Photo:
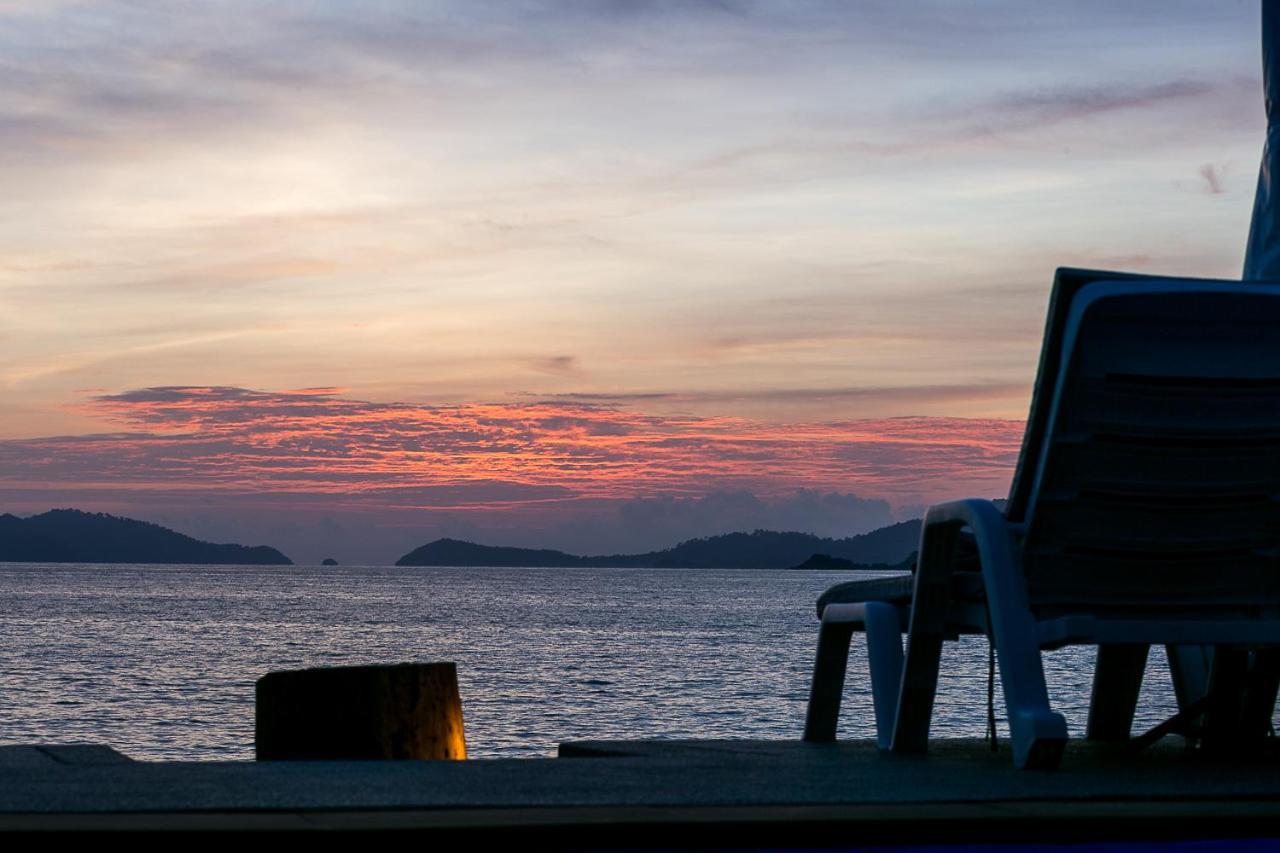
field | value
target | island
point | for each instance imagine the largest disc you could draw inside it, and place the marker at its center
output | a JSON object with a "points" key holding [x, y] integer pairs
{"points": [[73, 536], [328, 561], [889, 547], [828, 563]]}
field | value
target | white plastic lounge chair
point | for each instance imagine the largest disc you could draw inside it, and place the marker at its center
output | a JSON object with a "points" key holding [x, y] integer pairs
{"points": [[1145, 509]]}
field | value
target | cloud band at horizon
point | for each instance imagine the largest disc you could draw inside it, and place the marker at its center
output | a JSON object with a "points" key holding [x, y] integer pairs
{"points": [[540, 471]]}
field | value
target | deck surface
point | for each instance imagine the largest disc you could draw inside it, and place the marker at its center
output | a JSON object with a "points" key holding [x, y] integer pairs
{"points": [[790, 790]]}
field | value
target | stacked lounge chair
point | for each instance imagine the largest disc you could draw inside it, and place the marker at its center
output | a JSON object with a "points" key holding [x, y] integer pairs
{"points": [[1145, 510]]}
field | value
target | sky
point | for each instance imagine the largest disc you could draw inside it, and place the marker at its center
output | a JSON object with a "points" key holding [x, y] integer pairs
{"points": [[601, 276]]}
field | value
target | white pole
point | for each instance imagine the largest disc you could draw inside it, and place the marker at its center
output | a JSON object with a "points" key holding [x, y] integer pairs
{"points": [[1262, 254]]}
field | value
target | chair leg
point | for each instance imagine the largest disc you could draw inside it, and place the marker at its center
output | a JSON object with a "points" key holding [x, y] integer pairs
{"points": [[884, 657], [925, 634], [1189, 668], [1260, 696], [919, 685], [827, 687], [1223, 723], [1230, 691], [1117, 680], [1038, 734], [1244, 687]]}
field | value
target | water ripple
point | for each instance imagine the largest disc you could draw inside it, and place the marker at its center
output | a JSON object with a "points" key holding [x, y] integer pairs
{"points": [[159, 661]]}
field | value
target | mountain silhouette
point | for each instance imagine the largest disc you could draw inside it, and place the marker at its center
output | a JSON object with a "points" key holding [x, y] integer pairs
{"points": [[761, 549], [72, 536], [828, 563]]}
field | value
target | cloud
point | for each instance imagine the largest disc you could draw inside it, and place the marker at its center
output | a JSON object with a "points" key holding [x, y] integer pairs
{"points": [[315, 442], [773, 216], [237, 463], [900, 394], [1066, 103], [674, 519], [1213, 178], [562, 365]]}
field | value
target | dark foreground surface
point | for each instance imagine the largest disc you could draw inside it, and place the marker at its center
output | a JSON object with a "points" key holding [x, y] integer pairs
{"points": [[664, 794]]}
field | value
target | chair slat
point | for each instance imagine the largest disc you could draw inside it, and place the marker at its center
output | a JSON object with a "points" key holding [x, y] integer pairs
{"points": [[1160, 469]]}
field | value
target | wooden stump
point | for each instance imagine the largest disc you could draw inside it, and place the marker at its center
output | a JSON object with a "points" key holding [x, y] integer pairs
{"points": [[358, 713]]}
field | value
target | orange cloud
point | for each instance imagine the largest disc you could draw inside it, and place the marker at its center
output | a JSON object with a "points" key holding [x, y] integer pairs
{"points": [[316, 443]]}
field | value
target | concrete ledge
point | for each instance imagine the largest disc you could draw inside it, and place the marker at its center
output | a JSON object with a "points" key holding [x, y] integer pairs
{"points": [[685, 826], [603, 793], [82, 754]]}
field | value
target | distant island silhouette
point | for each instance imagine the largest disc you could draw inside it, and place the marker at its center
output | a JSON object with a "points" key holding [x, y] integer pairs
{"points": [[73, 536], [887, 548], [828, 563]]}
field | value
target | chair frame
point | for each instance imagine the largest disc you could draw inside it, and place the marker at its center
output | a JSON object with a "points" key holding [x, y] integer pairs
{"points": [[904, 683]]}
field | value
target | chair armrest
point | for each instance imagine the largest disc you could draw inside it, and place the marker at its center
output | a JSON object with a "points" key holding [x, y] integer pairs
{"points": [[1036, 731], [993, 536], [1001, 572]]}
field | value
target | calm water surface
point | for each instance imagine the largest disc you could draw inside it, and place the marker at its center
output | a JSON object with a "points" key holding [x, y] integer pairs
{"points": [[159, 661]]}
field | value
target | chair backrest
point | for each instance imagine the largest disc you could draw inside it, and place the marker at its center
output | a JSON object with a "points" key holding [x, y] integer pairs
{"points": [[1150, 471]]}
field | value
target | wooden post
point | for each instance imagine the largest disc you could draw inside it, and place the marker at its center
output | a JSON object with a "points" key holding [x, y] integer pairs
{"points": [[360, 713]]}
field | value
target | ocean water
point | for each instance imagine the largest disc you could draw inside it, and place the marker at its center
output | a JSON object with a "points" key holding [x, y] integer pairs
{"points": [[159, 662]]}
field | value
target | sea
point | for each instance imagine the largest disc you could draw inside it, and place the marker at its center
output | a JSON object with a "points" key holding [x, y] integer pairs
{"points": [[159, 662]]}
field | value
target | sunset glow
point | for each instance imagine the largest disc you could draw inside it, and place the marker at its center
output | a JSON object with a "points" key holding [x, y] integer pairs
{"points": [[315, 442], [585, 275], [317, 445]]}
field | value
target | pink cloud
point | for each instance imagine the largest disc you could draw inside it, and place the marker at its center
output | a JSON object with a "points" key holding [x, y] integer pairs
{"points": [[317, 444]]}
